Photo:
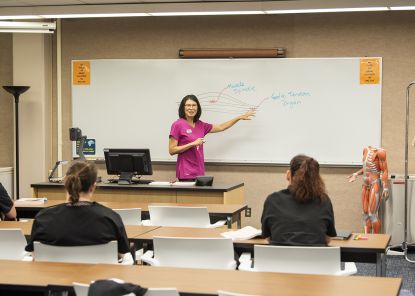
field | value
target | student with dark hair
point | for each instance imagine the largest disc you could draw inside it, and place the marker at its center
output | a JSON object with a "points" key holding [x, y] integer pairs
{"points": [[187, 137], [80, 221], [302, 214], [7, 209]]}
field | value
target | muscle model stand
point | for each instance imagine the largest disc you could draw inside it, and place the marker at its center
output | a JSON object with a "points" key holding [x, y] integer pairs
{"points": [[375, 180]]}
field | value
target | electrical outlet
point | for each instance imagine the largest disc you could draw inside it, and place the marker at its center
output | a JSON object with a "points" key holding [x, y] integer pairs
{"points": [[248, 212]]}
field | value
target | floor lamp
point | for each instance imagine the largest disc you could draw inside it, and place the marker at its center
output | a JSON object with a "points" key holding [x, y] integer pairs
{"points": [[16, 91], [405, 242]]}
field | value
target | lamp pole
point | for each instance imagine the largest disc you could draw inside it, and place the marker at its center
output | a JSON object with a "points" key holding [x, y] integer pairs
{"points": [[16, 91]]}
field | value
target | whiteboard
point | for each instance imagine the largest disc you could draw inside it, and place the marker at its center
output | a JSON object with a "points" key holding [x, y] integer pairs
{"points": [[315, 106]]}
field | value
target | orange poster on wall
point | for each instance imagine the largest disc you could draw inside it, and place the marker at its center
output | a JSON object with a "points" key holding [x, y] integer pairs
{"points": [[81, 73], [369, 71]]}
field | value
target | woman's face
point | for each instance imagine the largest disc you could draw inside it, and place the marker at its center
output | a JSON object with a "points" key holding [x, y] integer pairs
{"points": [[190, 108]]}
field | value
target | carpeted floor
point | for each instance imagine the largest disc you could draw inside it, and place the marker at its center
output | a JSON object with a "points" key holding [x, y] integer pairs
{"points": [[396, 266]]}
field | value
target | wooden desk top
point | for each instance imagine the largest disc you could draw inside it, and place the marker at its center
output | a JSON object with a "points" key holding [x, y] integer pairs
{"points": [[377, 242], [26, 227], [212, 208], [132, 230], [216, 187], [137, 230], [183, 232], [197, 280]]}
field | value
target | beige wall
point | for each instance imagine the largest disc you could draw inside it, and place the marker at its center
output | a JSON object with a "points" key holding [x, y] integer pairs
{"points": [[385, 34], [6, 102], [32, 65]]}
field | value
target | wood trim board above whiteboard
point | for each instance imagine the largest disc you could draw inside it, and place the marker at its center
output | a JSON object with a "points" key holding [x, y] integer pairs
{"points": [[328, 108]]}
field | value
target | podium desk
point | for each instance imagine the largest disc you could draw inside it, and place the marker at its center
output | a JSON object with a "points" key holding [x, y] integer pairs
{"points": [[47, 276], [216, 194]]}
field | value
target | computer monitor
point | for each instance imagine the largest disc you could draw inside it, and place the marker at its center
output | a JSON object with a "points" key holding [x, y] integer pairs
{"points": [[128, 162]]}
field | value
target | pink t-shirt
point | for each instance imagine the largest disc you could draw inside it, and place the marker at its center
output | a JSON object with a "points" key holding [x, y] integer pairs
{"points": [[190, 163]]}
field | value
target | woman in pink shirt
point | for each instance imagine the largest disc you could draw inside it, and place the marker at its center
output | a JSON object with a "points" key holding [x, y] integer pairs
{"points": [[187, 137]]}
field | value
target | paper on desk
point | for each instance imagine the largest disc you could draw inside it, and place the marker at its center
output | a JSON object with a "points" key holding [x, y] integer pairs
{"points": [[245, 233], [178, 183], [160, 183], [31, 200]]}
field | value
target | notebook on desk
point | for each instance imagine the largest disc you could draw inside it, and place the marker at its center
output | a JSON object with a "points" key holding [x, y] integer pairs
{"points": [[342, 234]]}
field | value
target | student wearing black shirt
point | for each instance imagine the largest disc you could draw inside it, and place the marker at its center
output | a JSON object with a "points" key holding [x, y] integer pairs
{"points": [[79, 221], [302, 214], [7, 209]]}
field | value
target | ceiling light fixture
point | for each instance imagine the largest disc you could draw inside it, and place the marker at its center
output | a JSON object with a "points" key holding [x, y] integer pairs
{"points": [[402, 8], [27, 27], [91, 15], [322, 10], [190, 13]]}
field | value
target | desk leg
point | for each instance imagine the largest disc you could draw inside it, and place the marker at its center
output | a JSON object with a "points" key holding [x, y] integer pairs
{"points": [[380, 265], [229, 221]]}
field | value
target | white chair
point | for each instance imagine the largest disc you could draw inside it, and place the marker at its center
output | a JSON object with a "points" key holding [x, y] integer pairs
{"points": [[162, 292], [178, 216], [103, 253], [12, 244], [130, 216], [216, 253], [306, 260], [82, 290]]}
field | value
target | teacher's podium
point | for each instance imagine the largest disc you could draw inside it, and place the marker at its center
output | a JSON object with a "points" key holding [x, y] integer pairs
{"points": [[216, 194]]}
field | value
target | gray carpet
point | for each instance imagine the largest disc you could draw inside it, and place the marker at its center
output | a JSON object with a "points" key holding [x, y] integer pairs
{"points": [[396, 266]]}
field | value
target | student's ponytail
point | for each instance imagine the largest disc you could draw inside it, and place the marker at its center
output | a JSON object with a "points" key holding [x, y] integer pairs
{"points": [[306, 182], [79, 178]]}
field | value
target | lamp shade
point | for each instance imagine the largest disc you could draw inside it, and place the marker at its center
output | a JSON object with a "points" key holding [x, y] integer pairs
{"points": [[15, 90]]}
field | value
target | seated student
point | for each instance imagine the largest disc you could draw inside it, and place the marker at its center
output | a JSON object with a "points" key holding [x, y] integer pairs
{"points": [[302, 214], [7, 209], [80, 221]]}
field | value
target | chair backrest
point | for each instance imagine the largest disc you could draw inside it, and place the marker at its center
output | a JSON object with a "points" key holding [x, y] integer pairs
{"points": [[194, 252], [130, 216], [104, 253], [162, 292], [309, 260], [177, 216], [12, 244], [82, 290]]}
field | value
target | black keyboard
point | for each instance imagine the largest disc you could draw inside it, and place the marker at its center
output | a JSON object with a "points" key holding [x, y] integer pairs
{"points": [[133, 181], [141, 181]]}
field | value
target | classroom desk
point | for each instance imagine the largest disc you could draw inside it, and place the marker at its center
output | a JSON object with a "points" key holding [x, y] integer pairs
{"points": [[37, 276], [26, 227], [216, 194], [372, 250], [232, 213]]}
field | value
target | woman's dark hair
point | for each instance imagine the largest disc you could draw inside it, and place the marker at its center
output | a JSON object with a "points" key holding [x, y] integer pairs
{"points": [[306, 182], [183, 102], [79, 178]]}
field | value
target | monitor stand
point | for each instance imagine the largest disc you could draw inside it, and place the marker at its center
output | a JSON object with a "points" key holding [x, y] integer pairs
{"points": [[125, 178]]}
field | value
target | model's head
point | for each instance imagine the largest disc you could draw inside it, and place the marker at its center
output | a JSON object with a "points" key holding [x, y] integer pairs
{"points": [[190, 108], [80, 178], [306, 183]]}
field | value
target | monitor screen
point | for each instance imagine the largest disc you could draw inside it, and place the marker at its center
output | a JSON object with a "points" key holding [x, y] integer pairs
{"points": [[127, 162]]}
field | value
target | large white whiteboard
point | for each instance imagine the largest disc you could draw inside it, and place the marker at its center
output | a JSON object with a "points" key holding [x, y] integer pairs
{"points": [[315, 106]]}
